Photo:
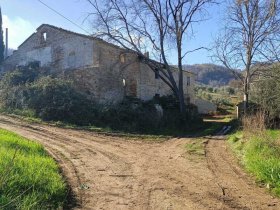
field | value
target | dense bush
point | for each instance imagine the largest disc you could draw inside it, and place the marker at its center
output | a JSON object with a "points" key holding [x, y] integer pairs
{"points": [[135, 115], [129, 115], [56, 99], [50, 99], [266, 93], [22, 75]]}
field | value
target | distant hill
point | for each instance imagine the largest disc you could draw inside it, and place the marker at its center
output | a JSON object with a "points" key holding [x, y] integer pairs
{"points": [[211, 74]]}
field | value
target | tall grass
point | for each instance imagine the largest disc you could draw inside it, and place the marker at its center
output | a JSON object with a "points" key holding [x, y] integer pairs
{"points": [[254, 123], [259, 150], [262, 158], [29, 178]]}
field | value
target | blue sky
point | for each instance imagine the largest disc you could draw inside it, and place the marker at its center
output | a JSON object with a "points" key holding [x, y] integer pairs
{"points": [[22, 17]]}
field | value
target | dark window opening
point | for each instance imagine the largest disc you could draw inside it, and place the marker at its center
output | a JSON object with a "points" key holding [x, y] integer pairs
{"points": [[188, 81], [156, 74], [34, 64], [157, 95]]}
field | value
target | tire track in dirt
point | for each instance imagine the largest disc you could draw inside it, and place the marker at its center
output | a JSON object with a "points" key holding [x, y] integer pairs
{"points": [[107, 172], [239, 190]]}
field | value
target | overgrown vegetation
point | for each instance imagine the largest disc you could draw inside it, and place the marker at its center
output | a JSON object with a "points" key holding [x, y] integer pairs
{"points": [[266, 93], [29, 178], [225, 97], [259, 151], [28, 92]]}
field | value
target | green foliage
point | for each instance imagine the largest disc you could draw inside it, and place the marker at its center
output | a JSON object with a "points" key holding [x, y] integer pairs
{"points": [[48, 98], [29, 178], [224, 97], [266, 93], [56, 99], [230, 90], [129, 115], [20, 76], [261, 156], [134, 115]]}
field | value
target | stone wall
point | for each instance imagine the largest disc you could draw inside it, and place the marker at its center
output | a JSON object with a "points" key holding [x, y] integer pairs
{"points": [[150, 86], [54, 48], [104, 71]]}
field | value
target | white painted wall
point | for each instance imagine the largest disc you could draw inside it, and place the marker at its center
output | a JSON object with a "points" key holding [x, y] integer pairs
{"points": [[205, 107], [42, 54]]}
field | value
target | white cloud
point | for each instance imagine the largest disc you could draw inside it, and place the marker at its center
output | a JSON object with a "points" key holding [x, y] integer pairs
{"points": [[19, 30]]}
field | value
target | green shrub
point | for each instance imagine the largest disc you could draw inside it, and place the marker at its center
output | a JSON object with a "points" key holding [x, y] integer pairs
{"points": [[134, 115], [50, 99], [129, 115], [266, 93], [57, 100], [22, 75]]}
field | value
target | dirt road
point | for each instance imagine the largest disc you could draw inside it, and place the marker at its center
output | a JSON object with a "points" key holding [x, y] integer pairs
{"points": [[113, 173]]}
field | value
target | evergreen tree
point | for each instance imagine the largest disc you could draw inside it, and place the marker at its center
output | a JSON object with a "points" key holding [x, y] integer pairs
{"points": [[2, 47]]}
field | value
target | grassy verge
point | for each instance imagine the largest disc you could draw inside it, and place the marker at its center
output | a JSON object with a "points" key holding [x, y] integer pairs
{"points": [[260, 155], [29, 178]]}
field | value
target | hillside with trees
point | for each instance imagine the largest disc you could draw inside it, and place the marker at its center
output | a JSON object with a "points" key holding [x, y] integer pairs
{"points": [[211, 74]]}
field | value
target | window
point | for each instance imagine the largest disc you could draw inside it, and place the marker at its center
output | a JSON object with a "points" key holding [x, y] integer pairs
{"points": [[71, 60], [157, 95], [122, 58], [44, 37], [188, 81], [156, 74], [34, 64]]}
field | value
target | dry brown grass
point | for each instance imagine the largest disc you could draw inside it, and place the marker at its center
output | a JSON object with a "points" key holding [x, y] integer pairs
{"points": [[254, 124]]}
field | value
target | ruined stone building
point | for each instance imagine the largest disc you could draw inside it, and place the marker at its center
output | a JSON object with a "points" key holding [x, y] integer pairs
{"points": [[97, 67]]}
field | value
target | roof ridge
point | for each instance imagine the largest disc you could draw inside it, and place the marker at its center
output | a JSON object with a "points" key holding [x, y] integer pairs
{"points": [[85, 36], [65, 30]]}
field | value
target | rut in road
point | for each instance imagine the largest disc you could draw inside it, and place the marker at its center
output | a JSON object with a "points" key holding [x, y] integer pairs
{"points": [[107, 172]]}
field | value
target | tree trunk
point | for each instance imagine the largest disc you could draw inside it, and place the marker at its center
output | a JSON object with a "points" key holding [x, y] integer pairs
{"points": [[246, 95], [182, 102], [246, 103], [180, 75]]}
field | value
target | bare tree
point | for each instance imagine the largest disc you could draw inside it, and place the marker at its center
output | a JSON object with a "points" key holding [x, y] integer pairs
{"points": [[158, 26], [250, 27]]}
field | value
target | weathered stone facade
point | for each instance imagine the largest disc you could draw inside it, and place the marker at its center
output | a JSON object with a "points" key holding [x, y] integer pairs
{"points": [[102, 70], [205, 107]]}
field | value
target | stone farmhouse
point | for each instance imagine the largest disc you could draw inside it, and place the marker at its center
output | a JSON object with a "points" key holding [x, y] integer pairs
{"points": [[100, 69]]}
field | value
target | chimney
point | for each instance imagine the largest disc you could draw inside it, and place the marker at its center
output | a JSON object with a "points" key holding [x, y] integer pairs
{"points": [[6, 50], [146, 54]]}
